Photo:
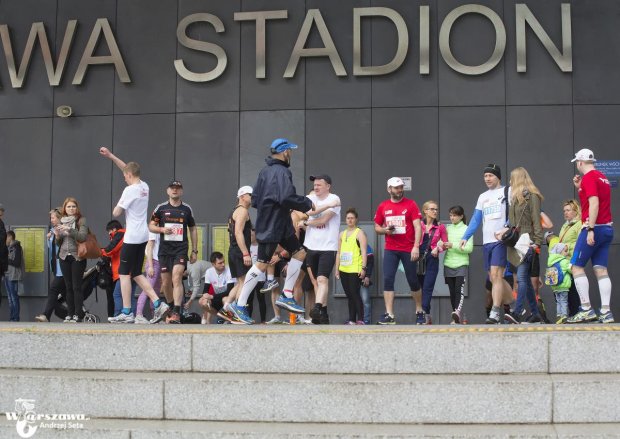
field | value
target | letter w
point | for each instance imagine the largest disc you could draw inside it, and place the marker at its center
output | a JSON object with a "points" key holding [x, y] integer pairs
{"points": [[37, 30], [11, 416]]}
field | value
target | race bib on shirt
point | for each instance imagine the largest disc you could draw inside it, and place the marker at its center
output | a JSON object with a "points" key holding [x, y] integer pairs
{"points": [[398, 221], [177, 232], [346, 259], [492, 209]]}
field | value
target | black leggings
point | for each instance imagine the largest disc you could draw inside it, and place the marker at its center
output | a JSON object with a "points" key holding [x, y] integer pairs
{"points": [[262, 304], [351, 283], [457, 291], [72, 272], [57, 286]]}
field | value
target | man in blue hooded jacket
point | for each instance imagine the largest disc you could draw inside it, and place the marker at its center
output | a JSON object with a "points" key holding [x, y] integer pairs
{"points": [[274, 197]]}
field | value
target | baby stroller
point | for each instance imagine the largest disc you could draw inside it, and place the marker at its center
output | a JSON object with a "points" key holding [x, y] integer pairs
{"points": [[89, 284]]}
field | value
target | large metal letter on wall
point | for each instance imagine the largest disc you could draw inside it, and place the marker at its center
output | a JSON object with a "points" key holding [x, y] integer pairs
{"points": [[500, 39], [201, 46]]}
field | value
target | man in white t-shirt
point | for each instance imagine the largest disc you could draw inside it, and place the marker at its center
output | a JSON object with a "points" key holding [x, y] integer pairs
{"points": [[491, 212], [218, 285], [322, 229], [134, 203]]}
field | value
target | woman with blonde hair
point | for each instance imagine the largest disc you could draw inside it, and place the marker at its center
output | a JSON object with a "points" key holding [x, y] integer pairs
{"points": [[525, 200], [72, 230]]}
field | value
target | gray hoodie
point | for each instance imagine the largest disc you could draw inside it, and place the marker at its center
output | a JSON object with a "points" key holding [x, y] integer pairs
{"points": [[16, 262]]}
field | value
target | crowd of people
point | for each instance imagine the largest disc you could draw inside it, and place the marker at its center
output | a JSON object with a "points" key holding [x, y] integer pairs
{"points": [[297, 239]]}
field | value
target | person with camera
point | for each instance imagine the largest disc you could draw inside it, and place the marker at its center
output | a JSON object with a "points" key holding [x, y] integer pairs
{"points": [[72, 230], [490, 211], [524, 213], [399, 220]]}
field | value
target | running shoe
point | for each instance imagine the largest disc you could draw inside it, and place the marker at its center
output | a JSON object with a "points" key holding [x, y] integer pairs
{"points": [[429, 320], [349, 322], [41, 318], [386, 319], [225, 314], [302, 321], [512, 318], [420, 318], [173, 318], [69, 318], [583, 316], [123, 318], [160, 312], [493, 318], [276, 321], [456, 317], [289, 304], [241, 313], [534, 318], [607, 317], [315, 314], [561, 319], [141, 320], [360, 322], [269, 286]]}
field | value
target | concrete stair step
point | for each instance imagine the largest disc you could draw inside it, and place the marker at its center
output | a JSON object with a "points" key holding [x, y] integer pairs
{"points": [[314, 349], [401, 399], [142, 429]]}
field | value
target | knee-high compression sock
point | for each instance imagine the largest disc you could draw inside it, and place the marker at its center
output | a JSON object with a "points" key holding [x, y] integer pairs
{"points": [[292, 273], [583, 288], [251, 280], [604, 286]]}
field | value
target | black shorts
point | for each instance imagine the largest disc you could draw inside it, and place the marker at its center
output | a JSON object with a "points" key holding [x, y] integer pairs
{"points": [[167, 262], [267, 249], [218, 300], [509, 279], [321, 262], [132, 258], [236, 265], [535, 265], [277, 272]]}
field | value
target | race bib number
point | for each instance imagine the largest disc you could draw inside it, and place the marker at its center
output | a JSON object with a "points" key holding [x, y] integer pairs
{"points": [[346, 259], [177, 232], [398, 221], [492, 209]]}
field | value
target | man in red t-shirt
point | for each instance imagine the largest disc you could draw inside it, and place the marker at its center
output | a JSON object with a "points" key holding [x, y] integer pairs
{"points": [[595, 238], [399, 220]]}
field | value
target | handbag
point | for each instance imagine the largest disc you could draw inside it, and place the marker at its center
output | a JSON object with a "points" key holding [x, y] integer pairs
{"points": [[510, 237], [90, 248], [421, 268]]}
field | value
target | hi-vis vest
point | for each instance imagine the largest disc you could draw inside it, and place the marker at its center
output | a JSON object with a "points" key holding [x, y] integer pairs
{"points": [[350, 253]]}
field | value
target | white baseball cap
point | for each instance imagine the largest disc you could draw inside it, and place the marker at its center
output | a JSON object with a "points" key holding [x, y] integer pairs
{"points": [[585, 155], [244, 190], [395, 181]]}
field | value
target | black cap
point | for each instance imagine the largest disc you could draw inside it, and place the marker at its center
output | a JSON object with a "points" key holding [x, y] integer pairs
{"points": [[176, 183], [325, 177], [493, 169]]}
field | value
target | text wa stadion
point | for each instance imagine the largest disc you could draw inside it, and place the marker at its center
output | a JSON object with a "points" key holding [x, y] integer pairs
{"points": [[524, 17]]}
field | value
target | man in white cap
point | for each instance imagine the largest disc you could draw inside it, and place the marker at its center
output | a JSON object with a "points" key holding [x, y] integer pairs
{"points": [[595, 238], [399, 220], [240, 236]]}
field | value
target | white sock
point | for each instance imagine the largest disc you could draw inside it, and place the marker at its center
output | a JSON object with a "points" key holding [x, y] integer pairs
{"points": [[604, 286], [292, 273], [583, 288], [270, 277], [251, 280]]}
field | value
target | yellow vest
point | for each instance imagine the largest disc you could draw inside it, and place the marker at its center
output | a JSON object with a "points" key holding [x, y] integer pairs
{"points": [[350, 253]]}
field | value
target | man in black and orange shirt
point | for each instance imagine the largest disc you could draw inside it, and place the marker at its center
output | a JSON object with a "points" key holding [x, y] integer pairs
{"points": [[172, 220]]}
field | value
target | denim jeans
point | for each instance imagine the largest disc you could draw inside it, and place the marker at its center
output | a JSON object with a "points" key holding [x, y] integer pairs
{"points": [[428, 281], [118, 298], [526, 289], [11, 292], [561, 297], [367, 301]]}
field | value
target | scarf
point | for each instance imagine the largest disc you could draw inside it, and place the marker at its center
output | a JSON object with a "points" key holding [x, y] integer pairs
{"points": [[68, 221]]}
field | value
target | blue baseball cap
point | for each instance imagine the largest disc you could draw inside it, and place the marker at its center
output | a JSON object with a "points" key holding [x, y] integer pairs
{"points": [[281, 145]]}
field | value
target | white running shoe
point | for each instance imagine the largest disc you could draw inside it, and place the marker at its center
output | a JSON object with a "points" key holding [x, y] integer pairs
{"points": [[123, 318], [141, 320], [160, 313]]}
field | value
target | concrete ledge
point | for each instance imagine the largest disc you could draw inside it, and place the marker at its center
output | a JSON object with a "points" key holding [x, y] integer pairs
{"points": [[584, 352], [139, 429], [586, 398], [363, 398], [95, 394], [93, 350], [384, 353]]}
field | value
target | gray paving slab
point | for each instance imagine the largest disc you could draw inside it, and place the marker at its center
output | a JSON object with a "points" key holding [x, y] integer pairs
{"points": [[584, 352], [586, 398]]}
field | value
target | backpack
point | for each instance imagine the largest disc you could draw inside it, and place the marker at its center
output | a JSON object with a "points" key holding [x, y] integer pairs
{"points": [[554, 275]]}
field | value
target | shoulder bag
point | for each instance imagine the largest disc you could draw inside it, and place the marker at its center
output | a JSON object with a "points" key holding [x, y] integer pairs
{"points": [[421, 269], [89, 249], [511, 236]]}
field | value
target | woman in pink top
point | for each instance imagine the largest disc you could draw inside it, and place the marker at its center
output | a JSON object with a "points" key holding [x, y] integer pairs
{"points": [[433, 238]]}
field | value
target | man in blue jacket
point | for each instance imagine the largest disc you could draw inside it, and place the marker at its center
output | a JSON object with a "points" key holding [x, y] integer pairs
{"points": [[273, 198]]}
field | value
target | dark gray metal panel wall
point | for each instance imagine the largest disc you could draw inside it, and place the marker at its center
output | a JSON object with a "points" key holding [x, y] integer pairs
{"points": [[95, 96], [440, 129]]}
